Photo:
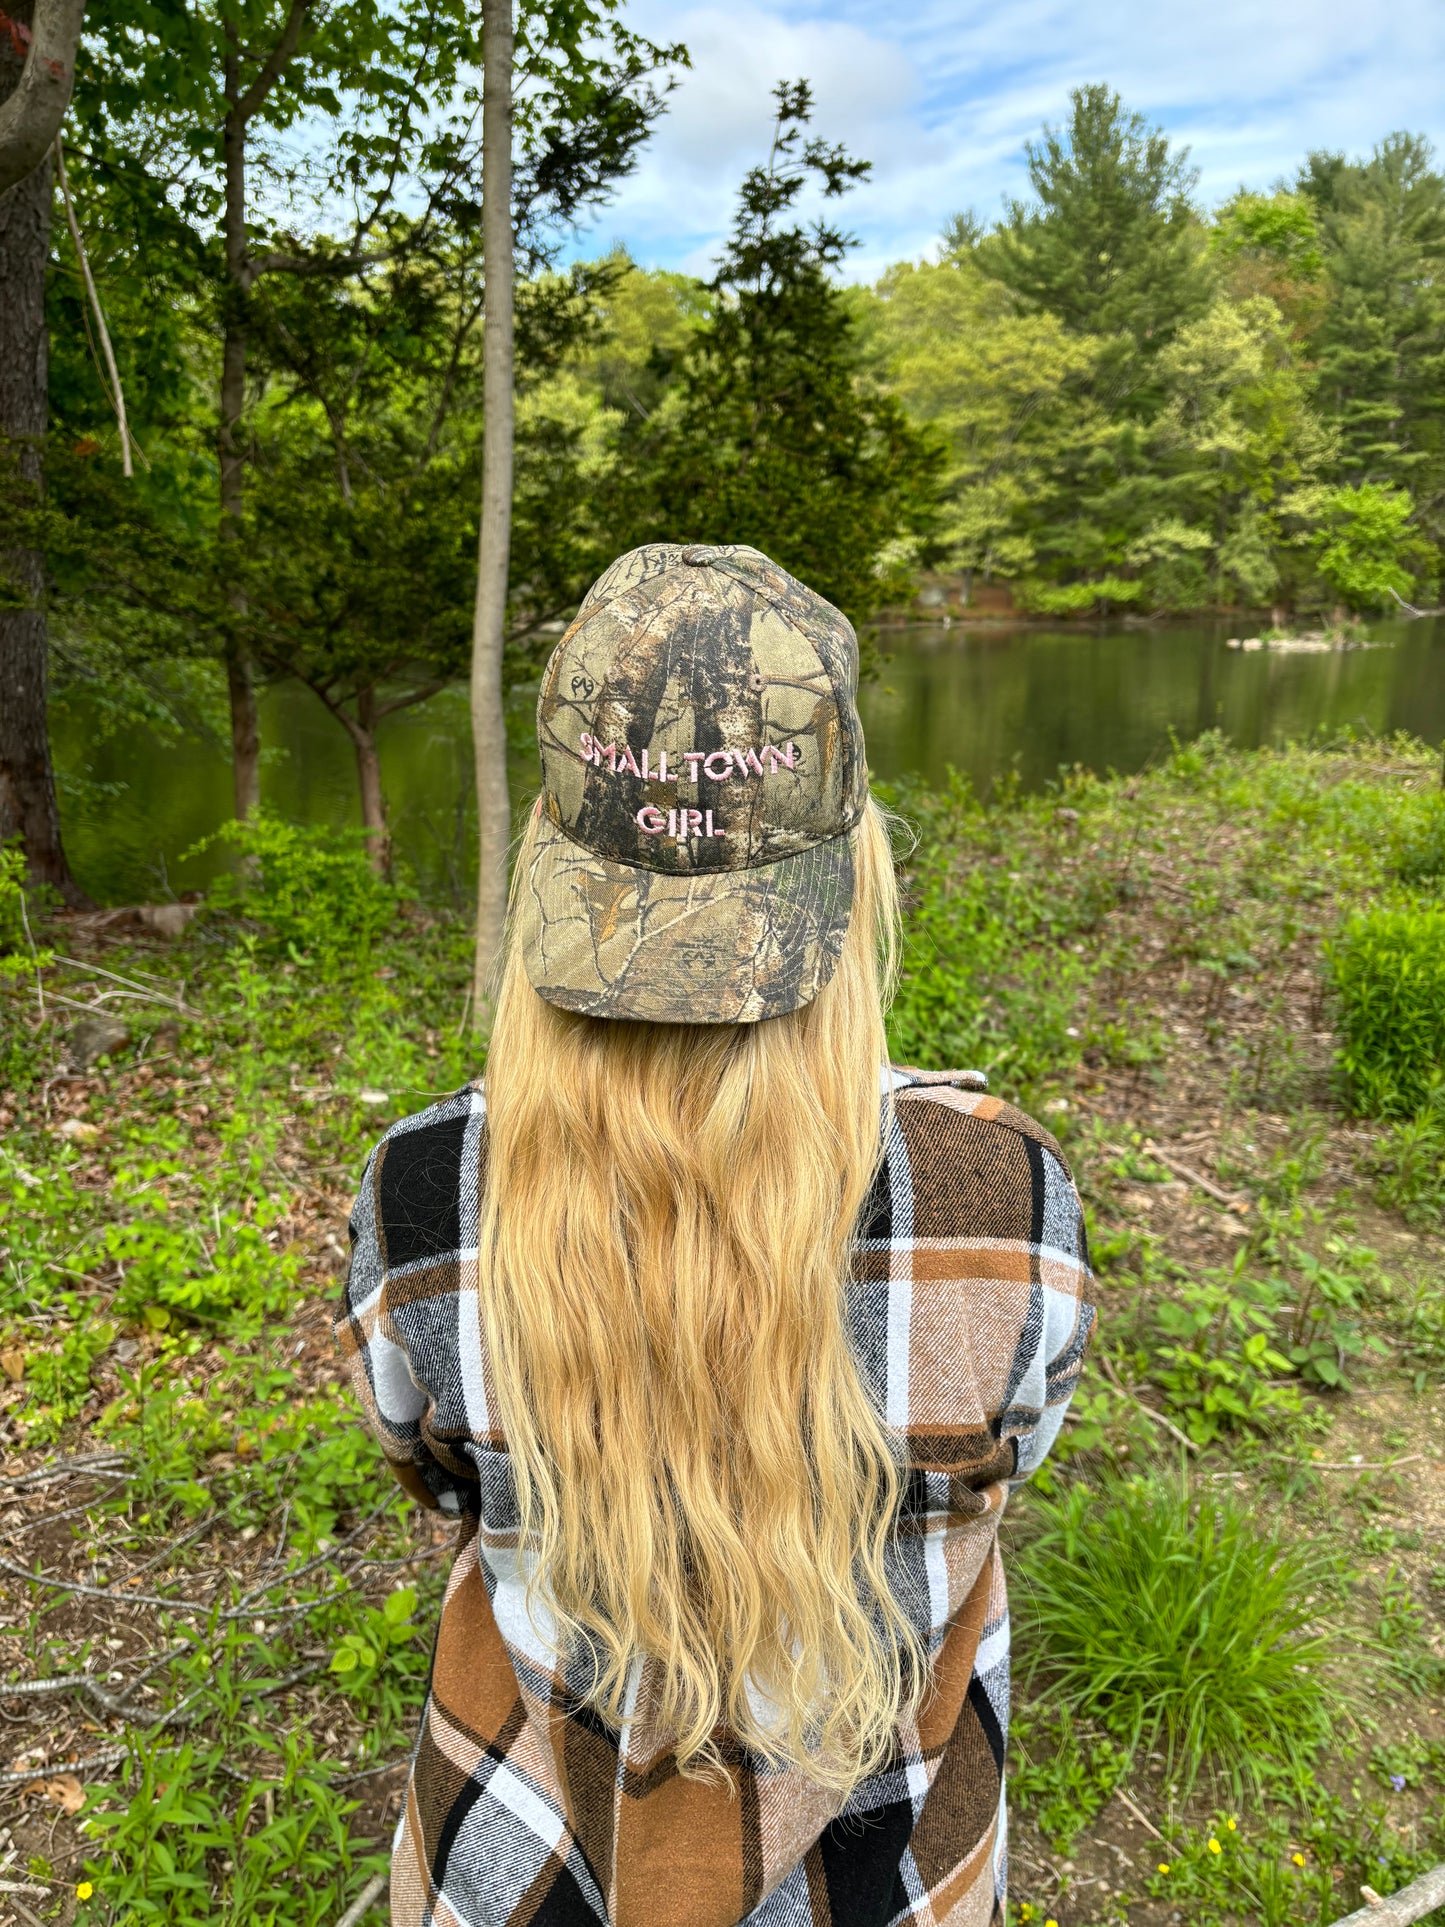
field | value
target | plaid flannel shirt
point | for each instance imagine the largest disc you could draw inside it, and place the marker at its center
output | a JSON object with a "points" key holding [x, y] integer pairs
{"points": [[524, 1808]]}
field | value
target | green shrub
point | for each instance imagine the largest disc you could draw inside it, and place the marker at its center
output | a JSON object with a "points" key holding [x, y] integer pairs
{"points": [[1215, 1354], [1388, 968], [1408, 1163], [1167, 1616], [1420, 857], [1076, 598], [311, 893]]}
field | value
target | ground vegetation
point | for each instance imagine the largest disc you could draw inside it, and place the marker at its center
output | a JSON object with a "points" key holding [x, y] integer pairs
{"points": [[1231, 1692]]}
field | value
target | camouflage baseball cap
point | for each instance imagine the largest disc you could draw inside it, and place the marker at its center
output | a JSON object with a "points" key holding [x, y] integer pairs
{"points": [[703, 773]]}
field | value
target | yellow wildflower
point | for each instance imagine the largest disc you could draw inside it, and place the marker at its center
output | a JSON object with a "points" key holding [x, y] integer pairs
{"points": [[1298, 1859], [1232, 1825], [1214, 1847], [84, 1890], [1163, 1866]]}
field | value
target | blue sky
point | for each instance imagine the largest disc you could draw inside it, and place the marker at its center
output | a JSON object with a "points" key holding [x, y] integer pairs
{"points": [[941, 96]]}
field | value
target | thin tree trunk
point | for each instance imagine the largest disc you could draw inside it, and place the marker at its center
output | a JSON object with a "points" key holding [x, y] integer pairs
{"points": [[489, 734], [28, 809], [240, 666], [368, 772]]}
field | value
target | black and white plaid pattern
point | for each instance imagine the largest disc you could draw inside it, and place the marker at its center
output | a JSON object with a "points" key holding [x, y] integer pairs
{"points": [[969, 1322]]}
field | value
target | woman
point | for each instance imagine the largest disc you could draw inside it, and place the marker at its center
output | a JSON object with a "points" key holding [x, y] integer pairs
{"points": [[724, 1340]]}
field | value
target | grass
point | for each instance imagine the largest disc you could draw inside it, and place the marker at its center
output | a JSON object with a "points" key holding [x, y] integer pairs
{"points": [[1174, 1620], [1140, 961]]}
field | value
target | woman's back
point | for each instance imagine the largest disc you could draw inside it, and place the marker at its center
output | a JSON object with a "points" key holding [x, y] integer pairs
{"points": [[724, 1342]]}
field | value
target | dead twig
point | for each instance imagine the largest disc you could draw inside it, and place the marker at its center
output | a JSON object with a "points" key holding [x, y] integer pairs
{"points": [[1230, 1199], [1148, 1410], [65, 1468], [1144, 1821], [363, 1902], [1346, 1465], [110, 1757]]}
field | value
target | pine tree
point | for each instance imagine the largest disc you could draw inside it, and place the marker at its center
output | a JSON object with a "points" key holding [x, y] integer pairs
{"points": [[776, 442], [1380, 344], [1112, 245]]}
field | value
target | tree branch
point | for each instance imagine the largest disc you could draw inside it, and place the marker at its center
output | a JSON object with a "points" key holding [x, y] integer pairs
{"points": [[30, 118], [276, 63], [420, 695]]}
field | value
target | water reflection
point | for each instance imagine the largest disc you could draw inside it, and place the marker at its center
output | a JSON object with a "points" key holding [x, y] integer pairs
{"points": [[982, 700]]}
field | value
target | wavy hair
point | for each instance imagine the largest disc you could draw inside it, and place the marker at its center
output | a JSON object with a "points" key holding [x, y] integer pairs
{"points": [[664, 1251]]}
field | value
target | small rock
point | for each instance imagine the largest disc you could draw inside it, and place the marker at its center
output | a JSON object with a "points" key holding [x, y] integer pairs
{"points": [[1065, 815], [126, 1348], [167, 919], [95, 1037], [1232, 642], [1252, 642], [78, 1128]]}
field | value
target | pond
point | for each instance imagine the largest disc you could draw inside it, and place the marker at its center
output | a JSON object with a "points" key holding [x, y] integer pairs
{"points": [[984, 700]]}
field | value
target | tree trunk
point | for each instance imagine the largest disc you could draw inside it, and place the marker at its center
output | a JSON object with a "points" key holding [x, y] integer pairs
{"points": [[240, 665], [35, 88], [368, 772], [28, 808], [489, 733]]}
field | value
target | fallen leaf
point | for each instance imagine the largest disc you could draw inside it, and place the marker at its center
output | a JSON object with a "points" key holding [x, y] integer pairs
{"points": [[13, 1365], [66, 1792]]}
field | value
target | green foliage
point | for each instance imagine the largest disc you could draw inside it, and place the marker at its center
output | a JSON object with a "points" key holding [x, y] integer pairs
{"points": [[1172, 1618], [987, 980], [1360, 546], [1217, 1357], [772, 440], [1059, 1774], [1282, 226], [1291, 1867], [1380, 336], [1388, 972], [310, 892], [1111, 246], [359, 1657], [195, 1847], [1408, 1164], [1079, 598]]}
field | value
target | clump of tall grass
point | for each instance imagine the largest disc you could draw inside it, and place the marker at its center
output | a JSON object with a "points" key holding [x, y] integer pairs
{"points": [[1388, 967], [1174, 1620]]}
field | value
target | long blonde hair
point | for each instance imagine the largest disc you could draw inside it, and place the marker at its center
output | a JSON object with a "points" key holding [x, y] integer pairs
{"points": [[664, 1252]]}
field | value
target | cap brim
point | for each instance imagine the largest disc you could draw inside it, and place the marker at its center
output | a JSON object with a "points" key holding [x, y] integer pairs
{"points": [[718, 947]]}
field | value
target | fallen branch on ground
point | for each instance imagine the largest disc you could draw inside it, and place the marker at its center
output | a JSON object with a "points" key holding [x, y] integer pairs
{"points": [[369, 1894], [1148, 1410], [65, 1469], [1402, 1908], [1348, 1465], [111, 1757], [1144, 1821]]}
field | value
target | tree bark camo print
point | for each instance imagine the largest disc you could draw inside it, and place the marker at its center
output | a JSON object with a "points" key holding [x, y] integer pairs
{"points": [[684, 823]]}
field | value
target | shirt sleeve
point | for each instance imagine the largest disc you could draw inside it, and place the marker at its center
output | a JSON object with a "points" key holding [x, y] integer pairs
{"points": [[1063, 1319], [399, 1404]]}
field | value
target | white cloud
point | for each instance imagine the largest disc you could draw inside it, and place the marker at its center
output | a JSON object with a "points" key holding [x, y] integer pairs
{"points": [[942, 95]]}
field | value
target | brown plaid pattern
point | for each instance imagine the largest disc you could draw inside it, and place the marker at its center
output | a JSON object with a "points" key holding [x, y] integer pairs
{"points": [[524, 1809]]}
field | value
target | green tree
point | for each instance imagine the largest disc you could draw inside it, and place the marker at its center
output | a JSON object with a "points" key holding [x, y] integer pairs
{"points": [[1270, 244], [1111, 245], [1236, 436], [773, 439], [191, 118], [1002, 386], [1362, 544], [1380, 343]]}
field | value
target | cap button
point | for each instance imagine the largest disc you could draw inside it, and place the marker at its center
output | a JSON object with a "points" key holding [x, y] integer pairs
{"points": [[698, 555]]}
